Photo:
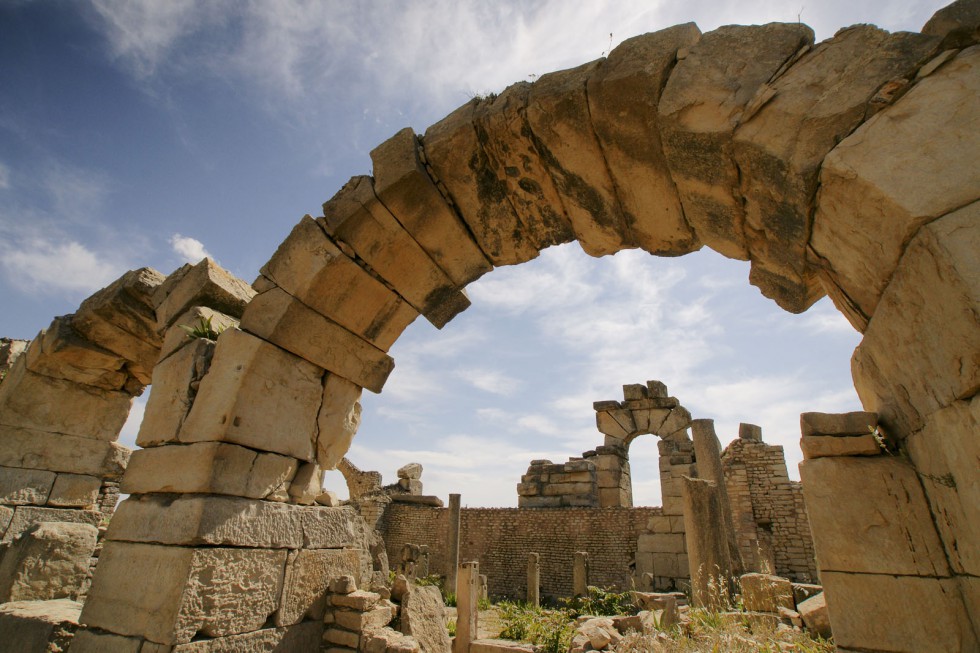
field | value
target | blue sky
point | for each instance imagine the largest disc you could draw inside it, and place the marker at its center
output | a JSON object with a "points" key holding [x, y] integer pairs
{"points": [[145, 132]]}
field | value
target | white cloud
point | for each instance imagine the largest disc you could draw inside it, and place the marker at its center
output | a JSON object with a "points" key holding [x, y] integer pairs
{"points": [[824, 317], [189, 249], [38, 264], [488, 380]]}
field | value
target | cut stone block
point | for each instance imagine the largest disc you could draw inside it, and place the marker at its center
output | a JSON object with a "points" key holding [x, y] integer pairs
{"points": [[89, 641], [857, 423], [75, 491], [48, 561], [284, 321], [558, 114], [750, 432], [177, 336], [35, 401], [62, 453], [814, 613], [308, 575], [6, 515], [702, 102], [25, 486], [819, 446], [340, 415], [302, 637], [38, 625], [423, 617], [623, 95], [377, 617], [175, 384], [331, 528], [407, 191], [169, 595], [306, 485], [207, 467], [207, 521], [62, 352], [766, 593], [355, 216], [257, 395], [203, 284], [311, 268], [453, 150], [27, 516]]}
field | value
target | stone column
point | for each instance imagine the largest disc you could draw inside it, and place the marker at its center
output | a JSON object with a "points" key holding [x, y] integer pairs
{"points": [[533, 579], [467, 602], [580, 574], [452, 553], [707, 546], [707, 454]]}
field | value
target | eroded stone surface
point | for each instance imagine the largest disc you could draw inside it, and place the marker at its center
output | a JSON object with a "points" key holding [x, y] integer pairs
{"points": [[203, 284], [340, 415], [75, 491], [60, 351], [27, 516], [423, 617], [62, 453], [308, 575], [175, 384], [38, 625], [25, 486], [48, 561]]}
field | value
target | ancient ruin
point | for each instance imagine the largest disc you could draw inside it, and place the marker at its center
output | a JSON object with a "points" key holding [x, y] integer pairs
{"points": [[844, 168]]}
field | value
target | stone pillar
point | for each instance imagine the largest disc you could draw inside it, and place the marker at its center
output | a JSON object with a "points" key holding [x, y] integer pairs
{"points": [[533, 579], [707, 454], [580, 574], [707, 546], [467, 605], [452, 552]]}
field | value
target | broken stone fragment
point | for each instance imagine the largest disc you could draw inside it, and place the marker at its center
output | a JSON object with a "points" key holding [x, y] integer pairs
{"points": [[48, 561], [203, 284], [412, 471], [176, 380], [61, 352], [306, 484]]}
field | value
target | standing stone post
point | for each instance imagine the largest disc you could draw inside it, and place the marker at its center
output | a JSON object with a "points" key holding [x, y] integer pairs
{"points": [[580, 574], [452, 555], [707, 547], [533, 579], [467, 602], [707, 454]]}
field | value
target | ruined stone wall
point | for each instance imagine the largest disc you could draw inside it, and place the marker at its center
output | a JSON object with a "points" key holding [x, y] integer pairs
{"points": [[501, 538]]}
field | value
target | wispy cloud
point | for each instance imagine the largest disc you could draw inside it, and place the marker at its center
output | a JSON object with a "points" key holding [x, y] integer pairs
{"points": [[42, 265], [189, 249], [489, 380]]}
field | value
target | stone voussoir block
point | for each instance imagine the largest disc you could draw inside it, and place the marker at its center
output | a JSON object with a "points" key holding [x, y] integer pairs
{"points": [[30, 448], [203, 284]]}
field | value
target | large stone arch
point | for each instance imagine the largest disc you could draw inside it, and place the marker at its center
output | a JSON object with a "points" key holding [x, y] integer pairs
{"points": [[844, 168]]}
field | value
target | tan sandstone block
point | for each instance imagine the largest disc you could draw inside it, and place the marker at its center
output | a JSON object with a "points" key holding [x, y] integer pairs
{"points": [[38, 625], [175, 384], [170, 594], [305, 636], [889, 530], [310, 267], [871, 204], [855, 423], [25, 486], [48, 561], [306, 484], [355, 216], [702, 102], [61, 453], [308, 575], [89, 641], [282, 320], [331, 528], [340, 415], [257, 395], [820, 446], [35, 401], [558, 114], [925, 615], [452, 149], [61, 352], [377, 617], [766, 593], [921, 350], [6, 516], [26, 517], [75, 491], [209, 467], [177, 336], [402, 184], [623, 95], [203, 284], [617, 423], [207, 520]]}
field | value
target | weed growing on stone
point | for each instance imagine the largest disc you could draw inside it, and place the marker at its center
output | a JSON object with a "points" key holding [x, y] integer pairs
{"points": [[550, 629], [203, 329]]}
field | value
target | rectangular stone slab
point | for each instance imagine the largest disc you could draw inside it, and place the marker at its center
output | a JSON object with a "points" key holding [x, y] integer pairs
{"points": [[308, 576], [25, 486], [75, 491], [174, 390], [60, 351], [34, 449], [310, 267], [203, 284], [26, 516], [285, 321], [355, 216], [407, 191], [304, 636]]}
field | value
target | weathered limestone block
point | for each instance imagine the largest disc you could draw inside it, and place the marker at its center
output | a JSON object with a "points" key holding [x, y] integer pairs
{"points": [[203, 284], [386, 640], [26, 517], [257, 395], [377, 617], [958, 24], [617, 423], [925, 615], [207, 521], [411, 486], [786, 132], [36, 401], [175, 384], [510, 153], [340, 415], [207, 467], [284, 321], [889, 531], [311, 268], [855, 423], [707, 544], [820, 446], [453, 150], [341, 640], [308, 575], [407, 191], [48, 561], [921, 350], [25, 486], [356, 217], [331, 528], [870, 204], [306, 484], [122, 318], [38, 625], [558, 114], [61, 453], [177, 336], [61, 352], [89, 641], [623, 95], [423, 616], [814, 613], [171, 594], [700, 106], [650, 420], [766, 593], [412, 471], [304, 636], [75, 491], [6, 515]]}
